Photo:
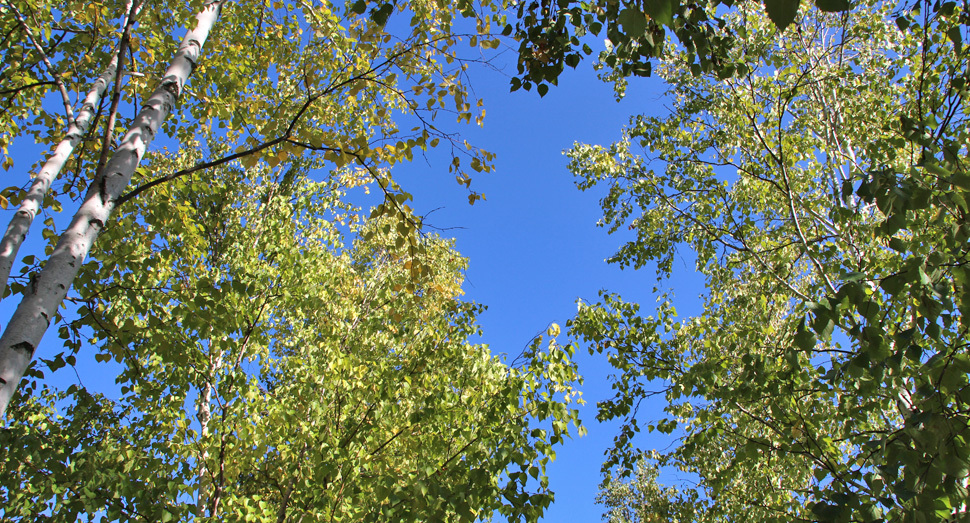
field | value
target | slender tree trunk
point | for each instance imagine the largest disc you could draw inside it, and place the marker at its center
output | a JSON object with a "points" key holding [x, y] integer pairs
{"points": [[204, 474], [205, 414], [33, 200], [20, 224], [46, 292]]}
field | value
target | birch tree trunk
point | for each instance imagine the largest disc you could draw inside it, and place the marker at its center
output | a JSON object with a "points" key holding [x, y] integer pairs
{"points": [[20, 224], [21, 221], [204, 474], [46, 292]]}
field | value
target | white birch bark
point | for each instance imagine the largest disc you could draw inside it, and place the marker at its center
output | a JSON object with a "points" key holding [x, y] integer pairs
{"points": [[20, 224], [204, 474], [46, 292], [33, 201]]}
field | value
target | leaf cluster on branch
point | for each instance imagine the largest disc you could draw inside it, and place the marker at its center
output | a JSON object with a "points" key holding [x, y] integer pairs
{"points": [[279, 356], [824, 196]]}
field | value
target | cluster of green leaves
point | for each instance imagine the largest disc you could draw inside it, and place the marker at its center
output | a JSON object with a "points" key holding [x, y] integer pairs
{"points": [[279, 358], [272, 373], [553, 34], [278, 80], [641, 498], [824, 196]]}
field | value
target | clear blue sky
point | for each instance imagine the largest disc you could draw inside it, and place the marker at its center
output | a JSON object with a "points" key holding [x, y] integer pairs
{"points": [[533, 245]]}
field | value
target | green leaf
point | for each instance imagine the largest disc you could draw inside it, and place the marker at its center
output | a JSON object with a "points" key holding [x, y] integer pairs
{"points": [[782, 12], [662, 11], [633, 21], [895, 283], [833, 6], [827, 512], [804, 339], [380, 16], [956, 36]]}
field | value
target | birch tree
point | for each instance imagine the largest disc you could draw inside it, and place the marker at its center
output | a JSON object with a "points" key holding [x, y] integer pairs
{"points": [[825, 377], [32, 202], [270, 369], [273, 372], [314, 83], [47, 290]]}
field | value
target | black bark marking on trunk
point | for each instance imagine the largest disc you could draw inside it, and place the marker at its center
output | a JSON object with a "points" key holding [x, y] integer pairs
{"points": [[173, 87], [103, 190], [24, 346], [32, 282]]}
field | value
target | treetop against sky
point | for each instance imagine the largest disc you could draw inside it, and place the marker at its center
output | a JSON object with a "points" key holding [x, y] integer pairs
{"points": [[285, 346]]}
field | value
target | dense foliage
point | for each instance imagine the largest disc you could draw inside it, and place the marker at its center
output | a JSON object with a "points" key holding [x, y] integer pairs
{"points": [[283, 356], [270, 372], [553, 34], [824, 196], [270, 82], [280, 355]]}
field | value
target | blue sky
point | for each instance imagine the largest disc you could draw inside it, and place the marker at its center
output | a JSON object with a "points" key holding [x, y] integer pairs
{"points": [[533, 245]]}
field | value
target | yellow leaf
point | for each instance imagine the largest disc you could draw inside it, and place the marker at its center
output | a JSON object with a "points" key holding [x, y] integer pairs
{"points": [[553, 330], [248, 162]]}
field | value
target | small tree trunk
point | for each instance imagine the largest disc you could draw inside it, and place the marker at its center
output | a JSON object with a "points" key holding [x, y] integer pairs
{"points": [[46, 292], [20, 224], [204, 409], [205, 414], [33, 201]]}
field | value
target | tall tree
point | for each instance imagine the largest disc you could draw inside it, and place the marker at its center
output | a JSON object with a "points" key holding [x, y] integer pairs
{"points": [[823, 195], [272, 372], [49, 287], [316, 80]]}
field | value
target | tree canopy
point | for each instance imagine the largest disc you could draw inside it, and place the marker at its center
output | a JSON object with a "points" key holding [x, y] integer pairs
{"points": [[322, 380], [275, 80], [825, 377], [282, 354], [555, 34]]}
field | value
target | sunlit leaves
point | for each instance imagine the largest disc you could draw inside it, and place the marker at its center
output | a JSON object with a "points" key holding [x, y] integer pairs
{"points": [[278, 353], [326, 379], [825, 377]]}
